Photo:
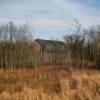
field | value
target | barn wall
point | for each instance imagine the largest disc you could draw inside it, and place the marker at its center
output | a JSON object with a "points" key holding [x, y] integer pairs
{"points": [[43, 57], [55, 58]]}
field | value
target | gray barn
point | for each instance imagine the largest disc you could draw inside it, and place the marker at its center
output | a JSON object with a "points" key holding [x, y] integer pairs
{"points": [[50, 52]]}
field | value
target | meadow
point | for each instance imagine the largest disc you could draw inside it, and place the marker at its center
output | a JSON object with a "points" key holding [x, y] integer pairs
{"points": [[50, 83]]}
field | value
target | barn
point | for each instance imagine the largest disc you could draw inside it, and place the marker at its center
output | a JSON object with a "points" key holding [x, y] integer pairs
{"points": [[50, 52]]}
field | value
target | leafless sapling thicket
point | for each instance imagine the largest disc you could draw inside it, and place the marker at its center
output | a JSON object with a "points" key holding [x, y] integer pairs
{"points": [[15, 46], [84, 45]]}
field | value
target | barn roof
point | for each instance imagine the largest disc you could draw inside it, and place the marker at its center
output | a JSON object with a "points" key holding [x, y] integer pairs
{"points": [[52, 45]]}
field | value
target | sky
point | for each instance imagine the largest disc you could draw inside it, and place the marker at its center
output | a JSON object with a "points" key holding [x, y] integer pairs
{"points": [[50, 19]]}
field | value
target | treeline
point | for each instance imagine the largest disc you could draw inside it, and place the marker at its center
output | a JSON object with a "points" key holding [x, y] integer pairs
{"points": [[15, 46], [85, 46]]}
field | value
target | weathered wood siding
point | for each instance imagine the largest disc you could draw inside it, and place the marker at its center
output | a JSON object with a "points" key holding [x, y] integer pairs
{"points": [[37, 54], [43, 57], [55, 58]]}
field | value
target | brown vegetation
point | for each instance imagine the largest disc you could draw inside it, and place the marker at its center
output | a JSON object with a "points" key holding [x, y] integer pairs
{"points": [[20, 81], [49, 83]]}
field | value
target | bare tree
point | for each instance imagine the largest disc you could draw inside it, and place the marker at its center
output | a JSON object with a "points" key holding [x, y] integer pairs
{"points": [[15, 46]]}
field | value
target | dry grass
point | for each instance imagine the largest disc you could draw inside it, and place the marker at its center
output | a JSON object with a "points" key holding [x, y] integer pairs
{"points": [[50, 83]]}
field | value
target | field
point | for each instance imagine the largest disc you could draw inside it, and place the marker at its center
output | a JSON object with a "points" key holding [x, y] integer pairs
{"points": [[50, 83]]}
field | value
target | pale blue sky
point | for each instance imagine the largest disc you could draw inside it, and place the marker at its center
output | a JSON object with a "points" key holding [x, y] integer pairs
{"points": [[50, 18]]}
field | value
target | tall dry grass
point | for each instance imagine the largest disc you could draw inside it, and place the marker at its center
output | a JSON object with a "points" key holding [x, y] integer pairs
{"points": [[50, 83]]}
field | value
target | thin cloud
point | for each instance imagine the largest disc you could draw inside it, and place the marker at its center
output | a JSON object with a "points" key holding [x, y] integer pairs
{"points": [[47, 16]]}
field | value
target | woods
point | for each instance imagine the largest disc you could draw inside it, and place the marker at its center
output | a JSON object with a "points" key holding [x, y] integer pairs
{"points": [[85, 46], [15, 46], [17, 50]]}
